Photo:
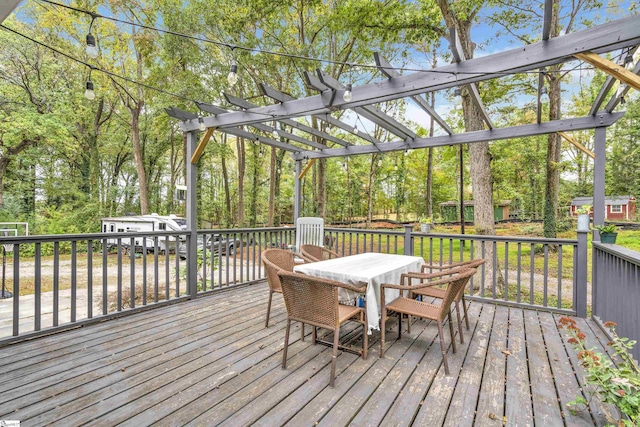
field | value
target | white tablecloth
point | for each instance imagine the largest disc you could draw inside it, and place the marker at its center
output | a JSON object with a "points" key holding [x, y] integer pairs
{"points": [[370, 268]]}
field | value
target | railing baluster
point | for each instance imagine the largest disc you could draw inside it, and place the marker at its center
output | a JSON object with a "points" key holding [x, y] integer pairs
{"points": [[167, 267], [532, 273], [56, 283], [74, 281], [518, 291], [37, 324], [90, 279], [16, 290], [506, 271], [156, 268], [546, 270], [132, 273], [105, 275], [494, 267], [144, 271], [119, 291], [560, 276]]}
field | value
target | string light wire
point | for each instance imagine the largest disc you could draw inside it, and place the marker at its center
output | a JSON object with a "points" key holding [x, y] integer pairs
{"points": [[281, 54]]}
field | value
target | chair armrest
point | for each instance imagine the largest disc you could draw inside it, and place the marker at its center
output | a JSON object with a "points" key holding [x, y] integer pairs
{"points": [[418, 286], [427, 276], [359, 289]]}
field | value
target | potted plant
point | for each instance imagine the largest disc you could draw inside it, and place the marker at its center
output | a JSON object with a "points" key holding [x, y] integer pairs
{"points": [[425, 223], [583, 217], [608, 233]]}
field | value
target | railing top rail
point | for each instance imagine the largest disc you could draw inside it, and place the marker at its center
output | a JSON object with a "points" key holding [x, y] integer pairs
{"points": [[43, 238], [243, 230], [619, 251], [517, 239], [364, 231]]}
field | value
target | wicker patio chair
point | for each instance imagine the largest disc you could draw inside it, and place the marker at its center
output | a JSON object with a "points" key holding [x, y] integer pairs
{"points": [[314, 301], [315, 253], [276, 260], [405, 305], [438, 291]]}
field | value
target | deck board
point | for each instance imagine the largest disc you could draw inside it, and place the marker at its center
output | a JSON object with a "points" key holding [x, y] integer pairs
{"points": [[211, 361]]}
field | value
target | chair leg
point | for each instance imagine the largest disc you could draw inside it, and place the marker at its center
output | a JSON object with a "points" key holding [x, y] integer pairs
{"points": [[334, 357], [466, 316], [459, 322], [408, 323], [453, 337], [365, 335], [382, 328], [399, 325], [286, 344], [301, 331], [314, 335], [443, 349], [266, 323]]}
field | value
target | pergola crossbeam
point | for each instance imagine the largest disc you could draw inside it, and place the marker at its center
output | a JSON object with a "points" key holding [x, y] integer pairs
{"points": [[606, 87], [459, 56], [514, 132], [603, 38], [385, 67]]}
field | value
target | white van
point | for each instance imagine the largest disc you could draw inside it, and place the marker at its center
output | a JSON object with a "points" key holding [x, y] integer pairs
{"points": [[142, 224]]}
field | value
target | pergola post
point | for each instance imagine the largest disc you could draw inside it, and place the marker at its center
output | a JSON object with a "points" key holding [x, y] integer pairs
{"points": [[297, 191], [599, 178], [192, 225]]}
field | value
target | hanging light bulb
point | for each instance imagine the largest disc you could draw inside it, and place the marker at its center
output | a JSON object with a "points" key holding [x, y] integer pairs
{"points": [[91, 49], [201, 126], [344, 166], [355, 130], [232, 78], [628, 61], [380, 162], [395, 167], [622, 100], [347, 96], [406, 153], [457, 92], [274, 132], [260, 153], [89, 93], [544, 95]]}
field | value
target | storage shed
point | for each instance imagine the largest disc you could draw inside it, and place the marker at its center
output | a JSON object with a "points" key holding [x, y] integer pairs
{"points": [[450, 210], [616, 207]]}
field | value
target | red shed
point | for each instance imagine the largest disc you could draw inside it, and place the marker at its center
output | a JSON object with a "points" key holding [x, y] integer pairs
{"points": [[616, 207]]}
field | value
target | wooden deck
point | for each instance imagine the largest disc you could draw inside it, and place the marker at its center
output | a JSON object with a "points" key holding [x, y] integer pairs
{"points": [[211, 361]]}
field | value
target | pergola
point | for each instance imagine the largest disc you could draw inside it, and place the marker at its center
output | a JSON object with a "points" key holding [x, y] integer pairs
{"points": [[587, 46]]}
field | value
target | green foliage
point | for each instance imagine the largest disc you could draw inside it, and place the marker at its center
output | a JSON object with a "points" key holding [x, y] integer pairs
{"points": [[617, 384], [606, 228]]}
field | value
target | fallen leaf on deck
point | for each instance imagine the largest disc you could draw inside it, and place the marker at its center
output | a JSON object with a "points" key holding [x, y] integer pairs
{"points": [[507, 352]]}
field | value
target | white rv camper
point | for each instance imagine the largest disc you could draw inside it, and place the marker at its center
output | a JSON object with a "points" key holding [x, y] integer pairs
{"points": [[142, 224]]}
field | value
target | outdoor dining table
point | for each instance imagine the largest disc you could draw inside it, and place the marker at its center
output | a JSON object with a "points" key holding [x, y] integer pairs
{"points": [[370, 268]]}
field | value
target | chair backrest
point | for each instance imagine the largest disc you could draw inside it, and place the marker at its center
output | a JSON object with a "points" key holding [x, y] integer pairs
{"points": [[456, 284], [310, 299], [309, 230], [276, 260], [312, 252]]}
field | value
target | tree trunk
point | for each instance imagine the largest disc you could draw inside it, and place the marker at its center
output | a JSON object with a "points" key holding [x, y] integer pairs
{"points": [[553, 142], [480, 158]]}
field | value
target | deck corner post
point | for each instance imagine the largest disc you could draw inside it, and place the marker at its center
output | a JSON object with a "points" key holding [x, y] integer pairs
{"points": [[192, 216], [580, 290], [408, 239]]}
